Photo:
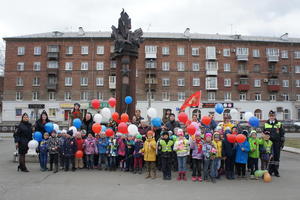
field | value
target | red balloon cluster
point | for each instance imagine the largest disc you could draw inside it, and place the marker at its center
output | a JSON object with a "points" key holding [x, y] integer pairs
{"points": [[109, 132], [96, 128], [206, 120], [122, 128], [191, 129], [112, 102], [230, 138], [95, 103], [182, 117], [240, 138], [79, 154]]}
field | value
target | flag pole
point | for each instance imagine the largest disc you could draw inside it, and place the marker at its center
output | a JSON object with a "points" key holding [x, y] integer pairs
{"points": [[199, 104]]}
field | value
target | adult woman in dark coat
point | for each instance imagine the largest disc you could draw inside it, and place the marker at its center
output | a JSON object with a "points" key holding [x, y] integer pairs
{"points": [[87, 123], [40, 123], [22, 137]]}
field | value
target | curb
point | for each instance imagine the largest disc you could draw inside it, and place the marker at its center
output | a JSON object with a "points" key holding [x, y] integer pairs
{"points": [[291, 150]]}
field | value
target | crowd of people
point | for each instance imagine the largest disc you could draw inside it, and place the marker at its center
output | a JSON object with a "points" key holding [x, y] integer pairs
{"points": [[208, 154]]}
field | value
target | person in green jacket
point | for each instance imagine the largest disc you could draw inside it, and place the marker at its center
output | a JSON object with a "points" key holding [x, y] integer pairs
{"points": [[254, 152], [166, 155]]}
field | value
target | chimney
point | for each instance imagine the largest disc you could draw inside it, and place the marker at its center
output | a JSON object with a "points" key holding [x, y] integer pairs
{"points": [[80, 31]]}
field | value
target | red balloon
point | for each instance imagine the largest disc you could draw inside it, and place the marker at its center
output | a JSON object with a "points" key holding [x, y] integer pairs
{"points": [[240, 138], [122, 128], [191, 129], [96, 128], [109, 132], [230, 138], [96, 103], [115, 116], [79, 154], [182, 117], [112, 102], [188, 122], [124, 117], [206, 120]]}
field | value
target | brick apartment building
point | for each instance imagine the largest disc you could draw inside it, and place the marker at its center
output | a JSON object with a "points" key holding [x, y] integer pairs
{"points": [[248, 73]]}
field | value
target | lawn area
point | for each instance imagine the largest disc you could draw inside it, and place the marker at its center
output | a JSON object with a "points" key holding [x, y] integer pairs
{"points": [[292, 142]]}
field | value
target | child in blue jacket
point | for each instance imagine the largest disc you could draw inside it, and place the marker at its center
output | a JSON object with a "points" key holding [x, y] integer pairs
{"points": [[102, 145], [43, 152], [241, 158]]}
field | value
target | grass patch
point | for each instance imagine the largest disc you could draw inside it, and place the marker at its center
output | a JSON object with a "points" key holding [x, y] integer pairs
{"points": [[292, 142]]}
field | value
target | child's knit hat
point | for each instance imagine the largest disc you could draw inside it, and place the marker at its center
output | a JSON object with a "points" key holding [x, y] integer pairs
{"points": [[139, 136], [198, 133], [180, 132], [208, 135], [253, 132]]}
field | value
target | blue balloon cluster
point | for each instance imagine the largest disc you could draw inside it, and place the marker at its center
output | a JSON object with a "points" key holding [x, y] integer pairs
{"points": [[128, 100], [49, 127], [37, 136], [77, 123], [219, 108], [254, 122], [156, 122]]}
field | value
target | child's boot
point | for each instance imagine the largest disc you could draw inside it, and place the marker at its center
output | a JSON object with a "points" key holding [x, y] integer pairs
{"points": [[148, 174], [184, 176], [51, 167], [56, 168], [194, 178], [179, 176], [199, 179], [140, 170], [154, 175]]}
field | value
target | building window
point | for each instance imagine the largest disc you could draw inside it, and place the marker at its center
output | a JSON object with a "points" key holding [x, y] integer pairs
{"points": [[211, 83], [99, 81], [242, 51], [68, 81], [52, 112], [151, 95], [211, 67], [255, 53], [257, 97], [165, 51], [150, 49], [180, 66], [226, 52], [21, 51], [68, 96], [297, 83], [256, 68], [243, 96], [51, 96], [99, 95], [180, 51], [112, 48], [286, 114], [165, 66], [84, 96], [284, 54], [150, 64], [257, 83], [83, 81], [166, 96], [113, 64], [100, 66], [52, 64], [273, 97], [19, 96], [18, 112], [284, 69], [35, 96], [181, 96], [196, 82], [298, 97], [227, 96], [210, 53], [68, 66], [195, 51], [37, 66], [196, 67], [180, 82], [36, 81], [19, 82], [297, 54], [20, 66], [227, 82], [258, 113], [84, 65], [285, 83], [165, 82], [84, 50], [272, 52], [227, 67], [37, 51], [100, 50], [69, 50], [285, 97], [211, 96]]}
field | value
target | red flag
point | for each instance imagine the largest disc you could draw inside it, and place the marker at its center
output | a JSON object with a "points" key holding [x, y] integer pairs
{"points": [[193, 100]]}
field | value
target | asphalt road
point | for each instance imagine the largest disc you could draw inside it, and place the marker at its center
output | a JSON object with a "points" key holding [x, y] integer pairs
{"points": [[96, 184]]}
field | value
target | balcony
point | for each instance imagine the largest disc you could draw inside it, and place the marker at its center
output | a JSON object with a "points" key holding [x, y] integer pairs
{"points": [[150, 55], [273, 58], [212, 72], [243, 87], [273, 88], [242, 57], [272, 74], [152, 81], [51, 86], [53, 49], [53, 71], [243, 72], [112, 82], [53, 55]]}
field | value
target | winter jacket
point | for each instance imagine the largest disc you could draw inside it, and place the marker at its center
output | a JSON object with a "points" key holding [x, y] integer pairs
{"points": [[102, 145], [112, 147], [79, 144], [266, 149], [61, 141], [228, 149], [53, 145], [87, 126], [166, 147], [121, 146], [242, 156], [22, 136], [182, 147], [39, 126], [197, 147], [75, 115], [254, 147], [276, 131], [209, 151], [90, 146], [218, 146], [43, 147], [129, 147], [149, 150], [171, 125], [143, 130], [138, 145], [69, 147]]}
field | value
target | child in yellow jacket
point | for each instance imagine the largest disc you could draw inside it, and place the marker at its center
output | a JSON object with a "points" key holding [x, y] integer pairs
{"points": [[217, 142], [149, 150]]}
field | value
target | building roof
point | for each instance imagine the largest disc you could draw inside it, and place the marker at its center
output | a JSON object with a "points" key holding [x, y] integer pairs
{"points": [[159, 35]]}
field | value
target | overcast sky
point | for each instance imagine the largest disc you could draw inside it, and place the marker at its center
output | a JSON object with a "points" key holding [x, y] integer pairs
{"points": [[246, 17]]}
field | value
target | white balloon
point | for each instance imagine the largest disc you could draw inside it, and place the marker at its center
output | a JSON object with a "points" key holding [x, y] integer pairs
{"points": [[74, 129], [152, 112], [55, 127], [132, 129], [105, 112], [234, 114], [248, 115], [97, 118], [33, 144]]}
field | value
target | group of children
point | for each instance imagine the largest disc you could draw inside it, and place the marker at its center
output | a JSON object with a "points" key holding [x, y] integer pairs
{"points": [[208, 154]]}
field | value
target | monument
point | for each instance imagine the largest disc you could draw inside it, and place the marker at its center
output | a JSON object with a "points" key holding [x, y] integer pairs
{"points": [[126, 45]]}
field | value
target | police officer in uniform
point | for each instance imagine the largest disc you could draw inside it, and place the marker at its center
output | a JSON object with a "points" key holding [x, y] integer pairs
{"points": [[277, 137]]}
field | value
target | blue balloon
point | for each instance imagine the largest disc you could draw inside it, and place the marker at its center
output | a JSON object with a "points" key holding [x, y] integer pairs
{"points": [[103, 129], [49, 127], [77, 123], [128, 100], [254, 122], [37, 136], [156, 122], [219, 108]]}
